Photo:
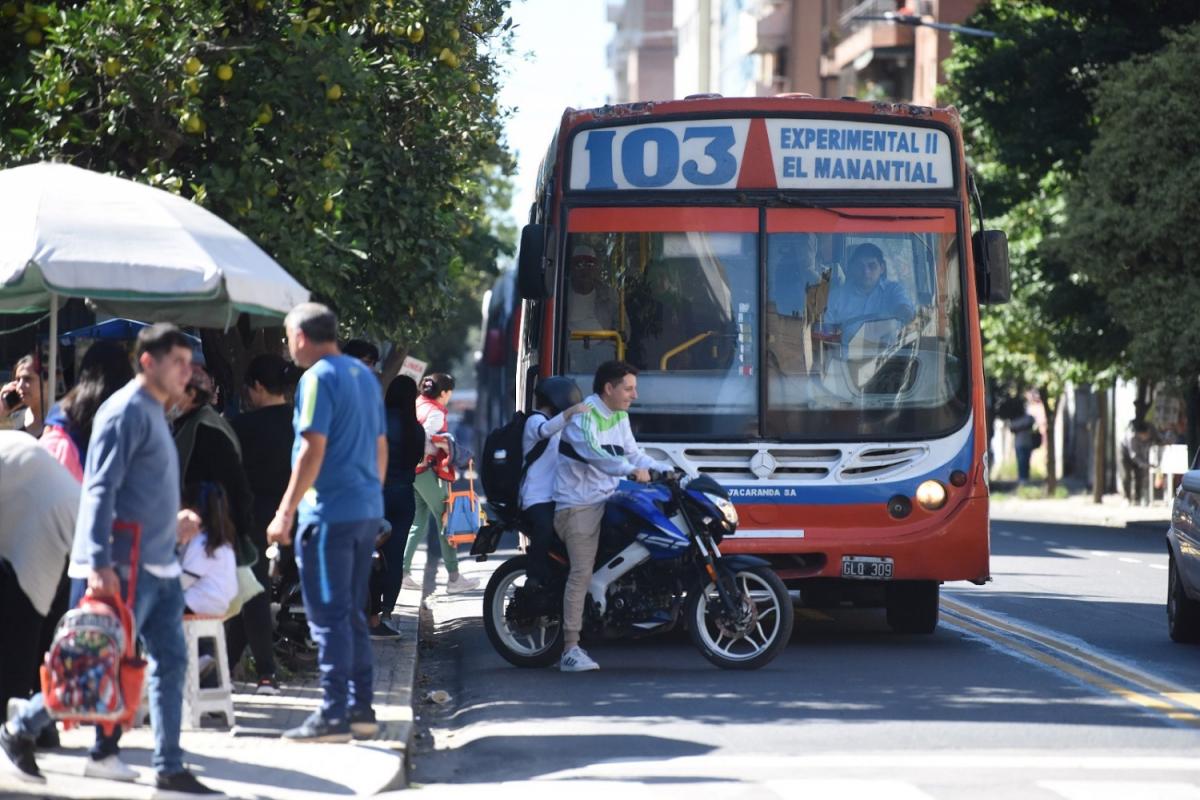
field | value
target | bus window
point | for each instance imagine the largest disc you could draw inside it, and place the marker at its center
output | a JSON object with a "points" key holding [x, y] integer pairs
{"points": [[864, 329], [681, 306]]}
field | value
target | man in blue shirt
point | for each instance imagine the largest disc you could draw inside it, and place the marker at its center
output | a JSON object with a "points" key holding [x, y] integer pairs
{"points": [[867, 295], [338, 461]]}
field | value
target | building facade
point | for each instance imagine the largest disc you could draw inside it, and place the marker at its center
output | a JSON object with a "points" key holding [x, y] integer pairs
{"points": [[641, 54], [826, 48]]}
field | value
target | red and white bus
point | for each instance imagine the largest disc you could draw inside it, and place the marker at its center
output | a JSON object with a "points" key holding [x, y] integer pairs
{"points": [[798, 283]]}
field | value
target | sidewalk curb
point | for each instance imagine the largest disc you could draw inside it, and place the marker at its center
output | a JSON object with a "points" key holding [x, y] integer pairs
{"points": [[401, 682]]}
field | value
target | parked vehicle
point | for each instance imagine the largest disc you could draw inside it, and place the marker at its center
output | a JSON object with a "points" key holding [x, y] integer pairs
{"points": [[1183, 570], [659, 564]]}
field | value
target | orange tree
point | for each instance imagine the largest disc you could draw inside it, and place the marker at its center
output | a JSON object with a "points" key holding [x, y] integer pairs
{"points": [[355, 141]]}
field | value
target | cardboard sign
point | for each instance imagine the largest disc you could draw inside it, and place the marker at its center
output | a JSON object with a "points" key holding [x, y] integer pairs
{"points": [[413, 368]]}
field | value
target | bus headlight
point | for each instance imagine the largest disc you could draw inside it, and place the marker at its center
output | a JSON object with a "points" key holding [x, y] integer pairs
{"points": [[931, 495], [726, 508]]}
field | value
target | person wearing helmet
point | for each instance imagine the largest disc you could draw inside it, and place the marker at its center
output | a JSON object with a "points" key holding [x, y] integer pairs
{"points": [[557, 400]]}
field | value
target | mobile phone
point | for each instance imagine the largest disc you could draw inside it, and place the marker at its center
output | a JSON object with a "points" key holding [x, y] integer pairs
{"points": [[12, 399]]}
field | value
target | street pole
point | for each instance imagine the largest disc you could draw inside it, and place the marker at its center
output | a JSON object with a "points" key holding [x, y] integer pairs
{"points": [[1100, 446]]}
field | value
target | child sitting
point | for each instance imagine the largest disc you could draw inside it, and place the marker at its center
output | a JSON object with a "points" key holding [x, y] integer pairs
{"points": [[209, 566]]}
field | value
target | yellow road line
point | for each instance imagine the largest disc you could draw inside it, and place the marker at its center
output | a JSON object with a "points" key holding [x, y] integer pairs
{"points": [[1155, 694]]}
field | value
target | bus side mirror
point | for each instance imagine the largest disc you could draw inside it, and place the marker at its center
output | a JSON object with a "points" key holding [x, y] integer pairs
{"points": [[531, 263], [992, 281]]}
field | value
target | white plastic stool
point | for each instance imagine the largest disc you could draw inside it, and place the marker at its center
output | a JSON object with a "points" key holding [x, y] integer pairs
{"points": [[197, 701]]}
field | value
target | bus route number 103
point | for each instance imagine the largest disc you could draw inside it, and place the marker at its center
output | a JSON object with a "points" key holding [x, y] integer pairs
{"points": [[718, 142]]}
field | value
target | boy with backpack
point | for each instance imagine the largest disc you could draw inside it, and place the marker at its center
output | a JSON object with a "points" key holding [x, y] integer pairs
{"points": [[558, 399], [520, 490]]}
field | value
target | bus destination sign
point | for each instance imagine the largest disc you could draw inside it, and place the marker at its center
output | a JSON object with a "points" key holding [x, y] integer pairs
{"points": [[761, 154]]}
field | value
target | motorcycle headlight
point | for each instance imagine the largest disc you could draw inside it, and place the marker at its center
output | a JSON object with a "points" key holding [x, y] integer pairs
{"points": [[726, 508]]}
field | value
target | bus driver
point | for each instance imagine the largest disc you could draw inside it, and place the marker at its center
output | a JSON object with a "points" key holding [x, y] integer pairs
{"points": [[867, 294]]}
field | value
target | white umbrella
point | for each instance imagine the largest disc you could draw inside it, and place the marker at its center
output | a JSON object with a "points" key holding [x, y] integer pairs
{"points": [[133, 250]]}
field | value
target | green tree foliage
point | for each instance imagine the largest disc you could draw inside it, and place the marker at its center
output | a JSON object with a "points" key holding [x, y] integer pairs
{"points": [[355, 141], [1027, 96], [1131, 229], [1027, 101]]}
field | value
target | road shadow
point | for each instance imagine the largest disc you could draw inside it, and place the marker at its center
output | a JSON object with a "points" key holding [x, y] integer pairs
{"points": [[1011, 538]]}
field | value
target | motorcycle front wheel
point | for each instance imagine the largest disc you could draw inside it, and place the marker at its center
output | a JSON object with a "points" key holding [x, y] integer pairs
{"points": [[755, 633], [521, 634]]}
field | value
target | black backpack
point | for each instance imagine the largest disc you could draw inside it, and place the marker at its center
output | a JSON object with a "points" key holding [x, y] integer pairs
{"points": [[503, 468]]}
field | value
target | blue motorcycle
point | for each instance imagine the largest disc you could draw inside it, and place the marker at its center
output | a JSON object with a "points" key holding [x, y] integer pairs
{"points": [[658, 566]]}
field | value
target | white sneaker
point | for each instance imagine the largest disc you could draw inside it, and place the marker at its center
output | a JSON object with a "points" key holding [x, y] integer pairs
{"points": [[409, 583], [111, 768], [576, 660], [461, 584]]}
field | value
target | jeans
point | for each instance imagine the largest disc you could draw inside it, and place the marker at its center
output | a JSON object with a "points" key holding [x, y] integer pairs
{"points": [[400, 508], [1023, 456], [158, 617], [540, 529], [335, 565]]}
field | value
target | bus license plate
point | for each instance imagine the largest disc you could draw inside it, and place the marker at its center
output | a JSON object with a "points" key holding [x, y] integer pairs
{"points": [[866, 567]]}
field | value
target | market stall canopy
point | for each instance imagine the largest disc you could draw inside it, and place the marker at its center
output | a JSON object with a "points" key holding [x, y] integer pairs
{"points": [[117, 330], [133, 250]]}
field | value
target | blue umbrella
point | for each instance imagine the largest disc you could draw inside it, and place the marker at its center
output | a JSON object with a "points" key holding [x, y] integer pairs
{"points": [[118, 329]]}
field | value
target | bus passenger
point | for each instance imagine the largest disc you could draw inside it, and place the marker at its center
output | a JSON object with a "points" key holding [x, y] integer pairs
{"points": [[867, 294], [591, 307]]}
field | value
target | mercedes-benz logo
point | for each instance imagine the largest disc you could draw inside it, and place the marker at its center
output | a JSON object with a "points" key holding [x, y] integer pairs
{"points": [[763, 465]]}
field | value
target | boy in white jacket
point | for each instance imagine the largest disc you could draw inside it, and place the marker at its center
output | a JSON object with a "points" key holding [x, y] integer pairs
{"points": [[596, 451]]}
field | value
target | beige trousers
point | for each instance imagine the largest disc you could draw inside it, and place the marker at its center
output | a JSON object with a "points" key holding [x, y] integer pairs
{"points": [[579, 528]]}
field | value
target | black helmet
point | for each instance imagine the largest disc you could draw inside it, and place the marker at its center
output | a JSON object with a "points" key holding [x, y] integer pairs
{"points": [[557, 392]]}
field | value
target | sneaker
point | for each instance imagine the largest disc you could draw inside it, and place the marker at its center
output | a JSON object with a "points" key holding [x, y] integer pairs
{"points": [[461, 583], [363, 724], [182, 784], [382, 632], [268, 686], [111, 768], [576, 660], [318, 729], [20, 756], [410, 583]]}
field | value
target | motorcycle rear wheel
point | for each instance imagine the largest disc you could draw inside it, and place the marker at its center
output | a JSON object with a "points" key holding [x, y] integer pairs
{"points": [[769, 608], [537, 644]]}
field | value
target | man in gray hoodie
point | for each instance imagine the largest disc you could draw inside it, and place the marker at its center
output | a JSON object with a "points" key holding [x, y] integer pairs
{"points": [[597, 450]]}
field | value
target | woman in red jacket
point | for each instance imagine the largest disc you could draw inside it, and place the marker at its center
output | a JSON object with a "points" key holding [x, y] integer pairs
{"points": [[435, 473]]}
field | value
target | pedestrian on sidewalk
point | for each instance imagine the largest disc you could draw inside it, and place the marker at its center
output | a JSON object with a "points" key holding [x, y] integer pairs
{"points": [[22, 400], [132, 475], [1135, 462], [434, 476], [265, 434], [38, 503], [406, 449], [1023, 429], [105, 368], [597, 450], [209, 566], [339, 460]]}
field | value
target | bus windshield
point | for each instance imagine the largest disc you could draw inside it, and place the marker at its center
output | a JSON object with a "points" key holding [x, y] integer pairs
{"points": [[854, 332]]}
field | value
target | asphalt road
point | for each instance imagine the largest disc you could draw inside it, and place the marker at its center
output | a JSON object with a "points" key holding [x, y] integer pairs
{"points": [[1057, 680]]}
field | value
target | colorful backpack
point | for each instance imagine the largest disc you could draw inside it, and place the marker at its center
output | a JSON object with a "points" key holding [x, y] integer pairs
{"points": [[92, 673]]}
